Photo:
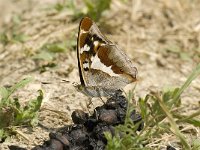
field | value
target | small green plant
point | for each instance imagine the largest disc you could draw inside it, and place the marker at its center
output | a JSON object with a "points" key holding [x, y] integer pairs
{"points": [[187, 54], [47, 55], [93, 8], [48, 51], [7, 37], [70, 5], [13, 34], [12, 113], [161, 114]]}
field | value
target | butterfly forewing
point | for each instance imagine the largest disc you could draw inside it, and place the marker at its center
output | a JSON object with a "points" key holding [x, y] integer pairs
{"points": [[101, 63], [89, 38]]}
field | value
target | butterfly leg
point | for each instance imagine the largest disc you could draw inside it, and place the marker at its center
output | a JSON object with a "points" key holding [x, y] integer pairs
{"points": [[102, 100], [100, 96], [88, 104]]}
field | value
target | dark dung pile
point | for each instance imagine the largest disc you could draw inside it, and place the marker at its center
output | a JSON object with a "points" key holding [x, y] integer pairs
{"points": [[87, 132]]}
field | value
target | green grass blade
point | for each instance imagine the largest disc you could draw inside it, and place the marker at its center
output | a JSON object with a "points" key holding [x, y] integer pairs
{"points": [[189, 119], [192, 76], [20, 84], [4, 93], [174, 127]]}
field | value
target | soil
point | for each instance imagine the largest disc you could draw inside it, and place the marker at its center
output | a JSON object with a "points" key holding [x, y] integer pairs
{"points": [[162, 38]]}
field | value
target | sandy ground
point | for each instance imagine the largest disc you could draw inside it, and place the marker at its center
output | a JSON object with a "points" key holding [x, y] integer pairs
{"points": [[162, 38]]}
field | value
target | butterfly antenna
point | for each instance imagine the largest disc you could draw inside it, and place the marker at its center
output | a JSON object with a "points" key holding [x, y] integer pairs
{"points": [[61, 81]]}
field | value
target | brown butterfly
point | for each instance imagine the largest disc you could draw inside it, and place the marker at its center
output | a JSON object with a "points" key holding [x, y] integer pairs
{"points": [[103, 67]]}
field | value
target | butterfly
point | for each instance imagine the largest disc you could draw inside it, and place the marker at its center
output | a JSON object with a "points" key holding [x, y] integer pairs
{"points": [[103, 67]]}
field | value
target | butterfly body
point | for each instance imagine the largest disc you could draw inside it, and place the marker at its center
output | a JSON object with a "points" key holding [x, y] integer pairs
{"points": [[103, 66]]}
